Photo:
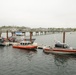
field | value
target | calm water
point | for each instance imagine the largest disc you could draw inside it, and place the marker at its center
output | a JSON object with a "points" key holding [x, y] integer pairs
{"points": [[24, 62]]}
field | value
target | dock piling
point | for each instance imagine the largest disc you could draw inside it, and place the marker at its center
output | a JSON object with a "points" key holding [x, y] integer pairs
{"points": [[64, 37]]}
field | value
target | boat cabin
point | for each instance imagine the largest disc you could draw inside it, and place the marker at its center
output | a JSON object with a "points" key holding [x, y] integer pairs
{"points": [[25, 43]]}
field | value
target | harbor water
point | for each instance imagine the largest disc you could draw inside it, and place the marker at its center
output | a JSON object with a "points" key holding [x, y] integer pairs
{"points": [[24, 62]]}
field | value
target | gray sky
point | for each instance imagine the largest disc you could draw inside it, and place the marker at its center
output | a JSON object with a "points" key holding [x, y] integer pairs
{"points": [[38, 13]]}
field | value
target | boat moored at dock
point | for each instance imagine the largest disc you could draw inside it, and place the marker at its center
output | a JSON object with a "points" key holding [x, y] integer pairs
{"points": [[60, 48], [25, 45]]}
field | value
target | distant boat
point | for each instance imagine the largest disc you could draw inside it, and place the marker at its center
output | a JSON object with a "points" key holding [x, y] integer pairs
{"points": [[2, 42], [11, 39], [18, 33]]}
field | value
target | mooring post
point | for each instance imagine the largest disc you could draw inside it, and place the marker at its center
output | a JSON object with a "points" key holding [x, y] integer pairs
{"points": [[64, 37], [7, 34], [31, 37], [45, 32], [0, 34]]}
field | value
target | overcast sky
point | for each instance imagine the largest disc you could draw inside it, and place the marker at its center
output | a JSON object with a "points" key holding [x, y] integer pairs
{"points": [[38, 13]]}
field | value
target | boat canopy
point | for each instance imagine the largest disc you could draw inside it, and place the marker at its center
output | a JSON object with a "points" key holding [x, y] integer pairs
{"points": [[61, 45]]}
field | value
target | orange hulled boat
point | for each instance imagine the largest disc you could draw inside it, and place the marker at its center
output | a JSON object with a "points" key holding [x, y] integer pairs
{"points": [[25, 45]]}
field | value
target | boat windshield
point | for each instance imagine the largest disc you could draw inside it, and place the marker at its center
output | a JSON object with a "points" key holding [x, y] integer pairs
{"points": [[25, 43]]}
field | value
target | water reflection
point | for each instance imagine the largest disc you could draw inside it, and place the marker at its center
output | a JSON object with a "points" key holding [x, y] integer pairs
{"points": [[23, 55], [30, 54], [1, 47], [62, 63], [61, 60]]}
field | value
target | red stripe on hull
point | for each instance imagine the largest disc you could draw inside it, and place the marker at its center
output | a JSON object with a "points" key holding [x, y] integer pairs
{"points": [[60, 50]]}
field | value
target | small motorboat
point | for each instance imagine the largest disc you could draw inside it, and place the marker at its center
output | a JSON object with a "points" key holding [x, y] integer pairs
{"points": [[2, 42], [25, 45], [60, 48]]}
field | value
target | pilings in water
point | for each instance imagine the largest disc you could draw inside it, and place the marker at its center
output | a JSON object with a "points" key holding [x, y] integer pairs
{"points": [[0, 34], [64, 37], [13, 33], [31, 33], [7, 34]]}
